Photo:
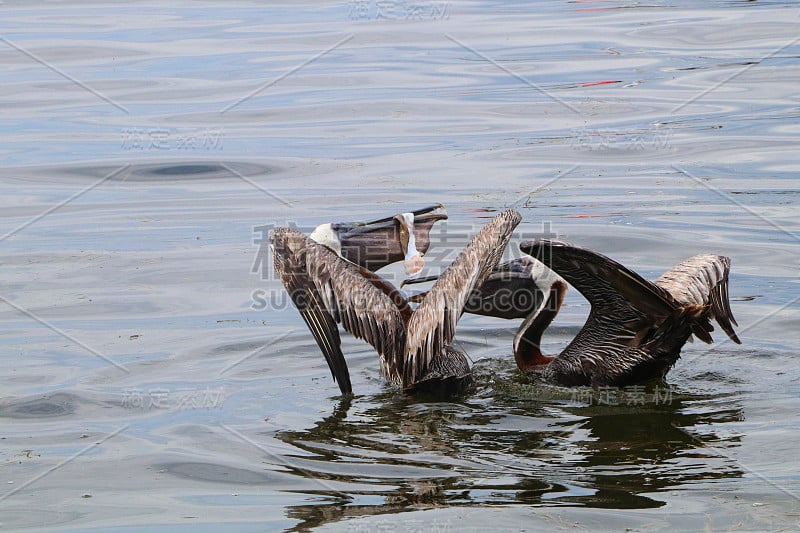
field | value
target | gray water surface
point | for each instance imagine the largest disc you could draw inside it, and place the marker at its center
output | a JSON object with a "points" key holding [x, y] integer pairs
{"points": [[156, 377]]}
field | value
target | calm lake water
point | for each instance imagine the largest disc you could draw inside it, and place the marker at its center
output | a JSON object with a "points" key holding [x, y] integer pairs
{"points": [[154, 377]]}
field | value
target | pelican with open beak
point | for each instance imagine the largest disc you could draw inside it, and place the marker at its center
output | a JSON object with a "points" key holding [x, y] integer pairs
{"points": [[414, 345], [378, 243]]}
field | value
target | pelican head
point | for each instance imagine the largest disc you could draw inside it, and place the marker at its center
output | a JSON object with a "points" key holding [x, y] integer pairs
{"points": [[378, 243]]}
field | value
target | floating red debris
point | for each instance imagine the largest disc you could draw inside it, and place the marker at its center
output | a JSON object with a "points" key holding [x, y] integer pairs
{"points": [[593, 83]]}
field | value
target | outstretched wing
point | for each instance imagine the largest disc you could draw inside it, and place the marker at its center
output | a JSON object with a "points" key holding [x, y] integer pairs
{"points": [[604, 282], [327, 289], [703, 280], [433, 323], [621, 299]]}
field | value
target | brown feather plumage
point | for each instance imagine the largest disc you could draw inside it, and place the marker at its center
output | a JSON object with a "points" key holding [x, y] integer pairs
{"points": [[636, 328], [328, 289]]}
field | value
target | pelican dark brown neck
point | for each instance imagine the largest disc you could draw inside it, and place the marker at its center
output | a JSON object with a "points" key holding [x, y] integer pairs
{"points": [[527, 351]]}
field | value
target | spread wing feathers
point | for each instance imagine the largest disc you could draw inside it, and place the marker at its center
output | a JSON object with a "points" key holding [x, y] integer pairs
{"points": [[290, 264], [327, 289], [432, 325], [703, 280], [372, 310], [609, 286]]}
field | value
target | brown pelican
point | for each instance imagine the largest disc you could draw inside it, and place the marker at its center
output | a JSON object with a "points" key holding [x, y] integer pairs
{"points": [[413, 344], [636, 328], [378, 243]]}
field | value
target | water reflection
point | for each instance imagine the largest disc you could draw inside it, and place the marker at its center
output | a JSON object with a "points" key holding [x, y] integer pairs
{"points": [[401, 454]]}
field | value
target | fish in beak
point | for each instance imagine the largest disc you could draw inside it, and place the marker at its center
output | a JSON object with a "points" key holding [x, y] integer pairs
{"points": [[378, 243], [413, 260]]}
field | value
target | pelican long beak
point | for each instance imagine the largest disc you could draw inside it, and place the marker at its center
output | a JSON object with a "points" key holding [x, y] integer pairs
{"points": [[433, 212], [418, 279], [378, 243]]}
